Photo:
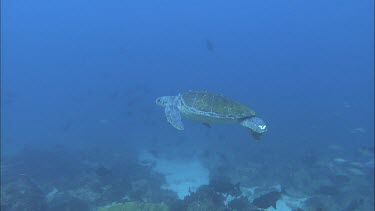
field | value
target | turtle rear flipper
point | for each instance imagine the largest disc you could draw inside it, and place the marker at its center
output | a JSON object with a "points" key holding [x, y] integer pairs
{"points": [[174, 117]]}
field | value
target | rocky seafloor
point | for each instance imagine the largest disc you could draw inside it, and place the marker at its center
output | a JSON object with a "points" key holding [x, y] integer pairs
{"points": [[96, 179]]}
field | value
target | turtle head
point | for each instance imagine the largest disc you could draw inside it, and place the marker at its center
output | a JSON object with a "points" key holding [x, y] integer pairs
{"points": [[164, 101], [256, 125]]}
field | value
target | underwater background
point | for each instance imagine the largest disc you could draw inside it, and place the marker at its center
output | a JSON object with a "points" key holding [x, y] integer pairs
{"points": [[80, 129]]}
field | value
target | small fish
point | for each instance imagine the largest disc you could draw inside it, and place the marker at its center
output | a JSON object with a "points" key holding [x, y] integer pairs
{"points": [[366, 151], [207, 125], [358, 130], [103, 121], [334, 147], [347, 105], [340, 160], [356, 171], [103, 171], [210, 45], [357, 164], [67, 125], [368, 164], [155, 153]]}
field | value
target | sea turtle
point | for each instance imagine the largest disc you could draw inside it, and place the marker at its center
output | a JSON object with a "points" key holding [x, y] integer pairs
{"points": [[208, 107]]}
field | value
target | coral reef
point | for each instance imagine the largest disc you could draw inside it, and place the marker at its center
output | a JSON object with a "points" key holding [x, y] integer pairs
{"points": [[267, 200], [242, 204], [205, 198], [319, 183], [22, 194], [224, 186], [135, 206], [64, 201]]}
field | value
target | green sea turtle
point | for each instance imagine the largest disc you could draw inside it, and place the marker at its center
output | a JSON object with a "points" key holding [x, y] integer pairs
{"points": [[208, 107]]}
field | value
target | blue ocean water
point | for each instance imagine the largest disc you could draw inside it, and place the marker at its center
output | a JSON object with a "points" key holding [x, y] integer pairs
{"points": [[80, 78]]}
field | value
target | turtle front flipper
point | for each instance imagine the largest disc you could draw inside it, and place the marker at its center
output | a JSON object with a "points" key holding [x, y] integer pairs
{"points": [[174, 117], [256, 136]]}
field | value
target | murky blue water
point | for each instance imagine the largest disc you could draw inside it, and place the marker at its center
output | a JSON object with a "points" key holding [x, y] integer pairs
{"points": [[80, 79]]}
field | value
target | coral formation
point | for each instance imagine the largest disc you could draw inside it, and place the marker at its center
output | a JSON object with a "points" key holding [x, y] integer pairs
{"points": [[22, 194], [135, 206], [267, 200], [133, 186]]}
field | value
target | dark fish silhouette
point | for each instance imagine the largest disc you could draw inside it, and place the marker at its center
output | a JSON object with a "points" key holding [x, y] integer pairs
{"points": [[155, 153], [210, 45], [103, 171], [207, 125], [67, 125]]}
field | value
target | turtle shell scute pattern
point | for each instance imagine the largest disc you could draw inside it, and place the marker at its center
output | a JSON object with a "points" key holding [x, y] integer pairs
{"points": [[214, 105]]}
